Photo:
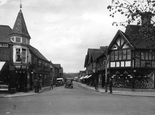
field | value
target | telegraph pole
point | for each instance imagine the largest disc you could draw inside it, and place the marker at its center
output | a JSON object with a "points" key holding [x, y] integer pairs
{"points": [[106, 72]]}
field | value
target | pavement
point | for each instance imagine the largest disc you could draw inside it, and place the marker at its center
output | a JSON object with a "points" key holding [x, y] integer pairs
{"points": [[19, 94], [125, 92], [141, 93]]}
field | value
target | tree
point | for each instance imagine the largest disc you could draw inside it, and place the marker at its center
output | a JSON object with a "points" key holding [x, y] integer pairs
{"points": [[140, 12]]}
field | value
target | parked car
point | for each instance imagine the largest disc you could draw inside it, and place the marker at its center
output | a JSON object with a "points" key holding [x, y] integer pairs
{"points": [[59, 82], [3, 86]]}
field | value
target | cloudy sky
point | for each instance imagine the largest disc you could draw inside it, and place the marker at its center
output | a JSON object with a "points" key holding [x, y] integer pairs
{"points": [[63, 30]]}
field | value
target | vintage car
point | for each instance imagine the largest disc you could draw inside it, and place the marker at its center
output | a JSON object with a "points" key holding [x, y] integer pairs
{"points": [[69, 83], [59, 82], [3, 86]]}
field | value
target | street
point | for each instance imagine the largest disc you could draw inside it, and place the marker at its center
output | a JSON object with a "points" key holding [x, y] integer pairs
{"points": [[77, 101]]}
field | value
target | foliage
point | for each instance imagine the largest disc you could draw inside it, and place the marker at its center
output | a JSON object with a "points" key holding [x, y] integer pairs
{"points": [[136, 12]]}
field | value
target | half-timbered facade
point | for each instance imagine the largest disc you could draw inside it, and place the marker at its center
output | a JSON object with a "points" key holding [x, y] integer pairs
{"points": [[131, 59]]}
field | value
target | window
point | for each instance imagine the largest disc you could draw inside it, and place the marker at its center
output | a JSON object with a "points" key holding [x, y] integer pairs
{"points": [[142, 56], [137, 62], [150, 56], [24, 40], [153, 63], [39, 63], [128, 54], [124, 54], [142, 63], [112, 56], [18, 39], [23, 55], [116, 55], [146, 56], [12, 39], [127, 63], [112, 64], [18, 58], [120, 54]]}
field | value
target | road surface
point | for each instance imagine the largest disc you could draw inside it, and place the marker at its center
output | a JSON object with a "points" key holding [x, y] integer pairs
{"points": [[77, 101]]}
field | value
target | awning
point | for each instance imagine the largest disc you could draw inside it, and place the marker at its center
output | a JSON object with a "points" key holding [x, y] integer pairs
{"points": [[89, 76], [82, 77], [85, 77]]}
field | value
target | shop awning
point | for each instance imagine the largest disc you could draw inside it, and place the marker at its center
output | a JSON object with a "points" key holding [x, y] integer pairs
{"points": [[89, 76], [82, 77]]}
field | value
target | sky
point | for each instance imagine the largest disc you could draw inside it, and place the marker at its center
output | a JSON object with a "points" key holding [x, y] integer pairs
{"points": [[63, 30]]}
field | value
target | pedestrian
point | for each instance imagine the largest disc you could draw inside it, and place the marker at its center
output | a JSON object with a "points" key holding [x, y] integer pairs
{"points": [[40, 84], [35, 85], [110, 85], [96, 85], [51, 84]]}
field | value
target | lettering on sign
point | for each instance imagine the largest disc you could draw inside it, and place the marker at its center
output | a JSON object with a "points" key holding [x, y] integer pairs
{"points": [[4, 45]]}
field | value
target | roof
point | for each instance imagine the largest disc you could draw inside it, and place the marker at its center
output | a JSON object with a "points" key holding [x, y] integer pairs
{"points": [[92, 55], [20, 26], [57, 66], [37, 53], [141, 37], [4, 33]]}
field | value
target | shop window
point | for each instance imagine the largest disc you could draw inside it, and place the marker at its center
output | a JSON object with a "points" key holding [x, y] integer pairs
{"points": [[127, 63], [112, 64], [122, 63], [117, 64]]}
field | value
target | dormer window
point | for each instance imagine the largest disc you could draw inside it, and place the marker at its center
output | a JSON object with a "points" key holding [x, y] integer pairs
{"points": [[18, 39]]}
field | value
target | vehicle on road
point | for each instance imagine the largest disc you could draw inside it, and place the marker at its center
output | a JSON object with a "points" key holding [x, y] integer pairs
{"points": [[59, 82], [69, 83], [3, 86]]}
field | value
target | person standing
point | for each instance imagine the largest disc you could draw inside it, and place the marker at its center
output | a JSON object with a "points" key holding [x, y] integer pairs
{"points": [[96, 85], [35, 85], [51, 84], [40, 83], [110, 85]]}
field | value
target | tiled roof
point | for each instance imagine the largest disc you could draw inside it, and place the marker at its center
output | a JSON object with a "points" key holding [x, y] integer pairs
{"points": [[20, 26], [92, 55], [37, 53], [57, 66], [138, 39], [4, 33]]}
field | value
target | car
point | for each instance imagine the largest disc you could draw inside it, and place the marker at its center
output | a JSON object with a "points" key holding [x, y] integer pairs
{"points": [[3, 86], [59, 82], [69, 83]]}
